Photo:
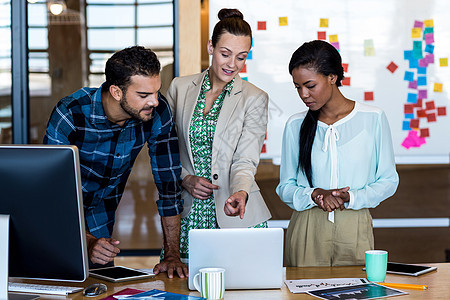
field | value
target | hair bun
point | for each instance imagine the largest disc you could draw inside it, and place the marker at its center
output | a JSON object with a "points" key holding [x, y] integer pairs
{"points": [[230, 13]]}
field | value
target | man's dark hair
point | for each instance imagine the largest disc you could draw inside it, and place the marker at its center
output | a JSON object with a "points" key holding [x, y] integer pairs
{"points": [[128, 62]]}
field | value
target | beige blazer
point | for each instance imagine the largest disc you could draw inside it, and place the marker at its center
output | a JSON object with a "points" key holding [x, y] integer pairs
{"points": [[237, 144]]}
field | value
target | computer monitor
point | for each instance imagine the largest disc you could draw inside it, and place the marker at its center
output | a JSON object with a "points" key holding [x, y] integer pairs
{"points": [[40, 190]]}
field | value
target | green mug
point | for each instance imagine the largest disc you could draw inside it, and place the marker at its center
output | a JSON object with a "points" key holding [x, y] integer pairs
{"points": [[210, 282], [376, 265]]}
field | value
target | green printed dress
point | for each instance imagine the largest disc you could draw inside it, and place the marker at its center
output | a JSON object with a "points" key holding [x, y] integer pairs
{"points": [[201, 136]]}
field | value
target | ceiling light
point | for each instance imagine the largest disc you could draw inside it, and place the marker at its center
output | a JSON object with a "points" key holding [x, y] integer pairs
{"points": [[56, 7]]}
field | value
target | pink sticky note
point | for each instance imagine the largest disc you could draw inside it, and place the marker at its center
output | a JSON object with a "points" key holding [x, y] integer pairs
{"points": [[430, 58], [423, 63], [429, 38], [422, 94], [418, 24], [413, 84], [336, 45]]}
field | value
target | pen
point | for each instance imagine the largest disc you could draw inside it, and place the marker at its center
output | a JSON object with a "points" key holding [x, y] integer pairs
{"points": [[404, 286]]}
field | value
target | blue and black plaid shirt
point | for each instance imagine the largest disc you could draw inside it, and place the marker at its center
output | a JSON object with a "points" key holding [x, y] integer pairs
{"points": [[107, 153]]}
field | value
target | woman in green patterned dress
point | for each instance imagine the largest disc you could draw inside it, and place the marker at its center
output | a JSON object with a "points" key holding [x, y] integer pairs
{"points": [[221, 123]]}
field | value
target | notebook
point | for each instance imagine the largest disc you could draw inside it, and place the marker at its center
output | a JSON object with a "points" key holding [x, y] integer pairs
{"points": [[252, 257]]}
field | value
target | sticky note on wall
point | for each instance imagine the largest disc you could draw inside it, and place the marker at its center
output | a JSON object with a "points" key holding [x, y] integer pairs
{"points": [[429, 23], [333, 38], [416, 33], [438, 87], [323, 22], [283, 21], [443, 62]]}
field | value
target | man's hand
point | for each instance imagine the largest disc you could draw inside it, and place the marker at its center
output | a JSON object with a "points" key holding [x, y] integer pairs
{"points": [[171, 262], [198, 187], [101, 251], [235, 204]]}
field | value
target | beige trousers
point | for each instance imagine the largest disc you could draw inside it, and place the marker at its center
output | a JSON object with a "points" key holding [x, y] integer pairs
{"points": [[312, 240]]}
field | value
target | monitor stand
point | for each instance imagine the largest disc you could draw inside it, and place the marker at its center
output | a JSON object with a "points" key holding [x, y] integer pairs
{"points": [[4, 250]]}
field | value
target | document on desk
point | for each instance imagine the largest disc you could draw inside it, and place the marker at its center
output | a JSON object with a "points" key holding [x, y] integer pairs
{"points": [[355, 292], [305, 285]]}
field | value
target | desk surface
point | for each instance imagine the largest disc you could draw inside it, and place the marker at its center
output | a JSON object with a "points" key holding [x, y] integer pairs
{"points": [[437, 281]]}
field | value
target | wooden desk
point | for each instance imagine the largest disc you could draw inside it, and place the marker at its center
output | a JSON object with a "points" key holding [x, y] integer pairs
{"points": [[438, 282]]}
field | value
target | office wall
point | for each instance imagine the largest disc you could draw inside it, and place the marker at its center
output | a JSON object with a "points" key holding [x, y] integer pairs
{"points": [[372, 37]]}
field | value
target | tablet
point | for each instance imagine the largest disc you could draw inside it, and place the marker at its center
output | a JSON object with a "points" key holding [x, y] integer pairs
{"points": [[408, 269], [119, 274]]}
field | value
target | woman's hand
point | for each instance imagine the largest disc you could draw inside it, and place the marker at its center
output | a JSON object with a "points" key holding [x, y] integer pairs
{"points": [[198, 187], [235, 204], [330, 200]]}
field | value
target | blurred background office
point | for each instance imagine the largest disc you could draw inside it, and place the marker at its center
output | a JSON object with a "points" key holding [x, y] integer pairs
{"points": [[49, 49]]}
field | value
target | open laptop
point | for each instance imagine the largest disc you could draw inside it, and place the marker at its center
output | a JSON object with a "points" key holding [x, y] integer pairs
{"points": [[252, 257]]}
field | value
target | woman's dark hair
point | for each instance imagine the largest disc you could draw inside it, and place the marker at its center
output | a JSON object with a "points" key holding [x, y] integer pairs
{"points": [[231, 21], [324, 59], [128, 62]]}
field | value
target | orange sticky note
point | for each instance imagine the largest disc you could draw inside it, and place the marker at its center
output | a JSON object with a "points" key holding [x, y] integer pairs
{"points": [[409, 108], [262, 25], [346, 81], [429, 105], [323, 22], [414, 123], [368, 96], [322, 35], [438, 87], [345, 66], [442, 111], [431, 117], [416, 33], [422, 113], [244, 69], [443, 62], [283, 21], [333, 38], [424, 132]]}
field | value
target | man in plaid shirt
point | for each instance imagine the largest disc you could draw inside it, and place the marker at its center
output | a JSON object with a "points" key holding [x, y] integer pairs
{"points": [[110, 126]]}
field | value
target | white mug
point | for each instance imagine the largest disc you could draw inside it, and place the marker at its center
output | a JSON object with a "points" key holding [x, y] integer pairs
{"points": [[210, 282]]}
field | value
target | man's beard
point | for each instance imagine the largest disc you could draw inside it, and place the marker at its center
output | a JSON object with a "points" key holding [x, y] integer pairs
{"points": [[134, 113]]}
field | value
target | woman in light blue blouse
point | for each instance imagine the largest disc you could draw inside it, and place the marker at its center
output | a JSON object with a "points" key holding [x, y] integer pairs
{"points": [[337, 162]]}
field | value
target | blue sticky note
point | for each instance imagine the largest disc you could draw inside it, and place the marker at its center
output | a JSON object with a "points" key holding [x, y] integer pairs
{"points": [[409, 116], [406, 125], [413, 63], [250, 54], [244, 78], [408, 54], [409, 76], [422, 70], [429, 48], [417, 49], [422, 80], [412, 98]]}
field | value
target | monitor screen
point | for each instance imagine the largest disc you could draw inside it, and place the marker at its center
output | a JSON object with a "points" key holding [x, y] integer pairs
{"points": [[40, 189]]}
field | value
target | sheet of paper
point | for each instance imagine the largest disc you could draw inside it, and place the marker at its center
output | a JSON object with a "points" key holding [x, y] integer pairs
{"points": [[304, 285]]}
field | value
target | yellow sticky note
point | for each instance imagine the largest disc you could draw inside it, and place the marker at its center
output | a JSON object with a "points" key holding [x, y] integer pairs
{"points": [[283, 21], [429, 23], [333, 38], [369, 51], [323, 22], [438, 87], [443, 62], [416, 33]]}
